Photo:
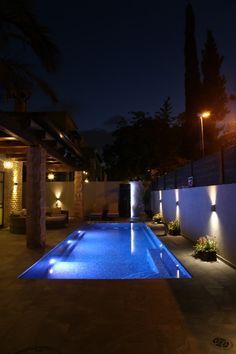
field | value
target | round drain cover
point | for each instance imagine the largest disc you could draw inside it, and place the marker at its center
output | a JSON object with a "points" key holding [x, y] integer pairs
{"points": [[222, 343], [38, 349]]}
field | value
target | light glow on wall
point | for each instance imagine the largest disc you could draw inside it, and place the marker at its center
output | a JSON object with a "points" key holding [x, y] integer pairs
{"points": [[214, 221], [134, 196], [212, 192], [214, 224], [58, 192], [160, 202], [177, 203]]}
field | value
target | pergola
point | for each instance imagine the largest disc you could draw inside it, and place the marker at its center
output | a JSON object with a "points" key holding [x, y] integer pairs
{"points": [[42, 141]]}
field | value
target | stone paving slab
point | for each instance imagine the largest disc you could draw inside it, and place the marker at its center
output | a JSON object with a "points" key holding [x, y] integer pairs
{"points": [[114, 316]]}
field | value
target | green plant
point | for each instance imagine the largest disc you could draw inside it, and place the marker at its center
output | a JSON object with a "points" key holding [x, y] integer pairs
{"points": [[205, 244], [174, 227], [157, 217]]}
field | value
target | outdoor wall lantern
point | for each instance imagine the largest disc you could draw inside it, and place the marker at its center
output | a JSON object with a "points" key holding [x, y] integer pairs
{"points": [[213, 207], [7, 164]]}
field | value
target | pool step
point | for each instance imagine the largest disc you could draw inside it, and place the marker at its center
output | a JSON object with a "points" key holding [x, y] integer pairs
{"points": [[154, 257]]}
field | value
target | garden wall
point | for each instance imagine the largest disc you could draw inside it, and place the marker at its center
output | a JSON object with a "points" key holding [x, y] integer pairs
{"points": [[96, 196], [100, 195], [194, 210]]}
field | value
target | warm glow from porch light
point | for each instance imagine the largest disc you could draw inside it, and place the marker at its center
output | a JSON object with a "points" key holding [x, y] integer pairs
{"points": [[86, 180], [7, 164], [51, 176]]}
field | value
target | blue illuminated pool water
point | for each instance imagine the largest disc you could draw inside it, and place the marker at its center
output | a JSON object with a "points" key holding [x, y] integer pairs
{"points": [[108, 251]]}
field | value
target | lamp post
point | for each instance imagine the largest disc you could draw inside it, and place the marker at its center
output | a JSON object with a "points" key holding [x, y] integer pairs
{"points": [[202, 116]]}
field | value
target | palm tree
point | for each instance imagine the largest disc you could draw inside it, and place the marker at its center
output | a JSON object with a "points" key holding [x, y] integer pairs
{"points": [[20, 28]]}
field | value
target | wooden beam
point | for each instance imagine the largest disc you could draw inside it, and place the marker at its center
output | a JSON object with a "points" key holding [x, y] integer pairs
{"points": [[11, 150], [18, 126]]}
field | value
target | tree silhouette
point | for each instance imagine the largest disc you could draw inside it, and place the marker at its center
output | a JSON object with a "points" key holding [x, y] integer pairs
{"points": [[214, 98], [143, 144], [165, 113], [192, 88], [19, 29]]}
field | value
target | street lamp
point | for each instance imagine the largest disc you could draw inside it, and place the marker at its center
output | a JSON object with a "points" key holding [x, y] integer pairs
{"points": [[202, 116]]}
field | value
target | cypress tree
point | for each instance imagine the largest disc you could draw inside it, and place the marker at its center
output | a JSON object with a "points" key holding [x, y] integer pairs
{"points": [[191, 135], [215, 98]]}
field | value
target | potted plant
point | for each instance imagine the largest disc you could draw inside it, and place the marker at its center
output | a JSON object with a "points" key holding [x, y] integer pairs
{"points": [[157, 218], [174, 227], [205, 249]]}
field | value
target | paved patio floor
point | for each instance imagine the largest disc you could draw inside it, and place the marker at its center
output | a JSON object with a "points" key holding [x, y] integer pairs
{"points": [[114, 317]]}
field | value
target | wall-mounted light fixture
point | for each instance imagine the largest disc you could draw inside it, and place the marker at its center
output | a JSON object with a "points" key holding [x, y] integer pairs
{"points": [[160, 200], [86, 180], [177, 202], [51, 176], [7, 164], [213, 207], [15, 184], [85, 173], [58, 203]]}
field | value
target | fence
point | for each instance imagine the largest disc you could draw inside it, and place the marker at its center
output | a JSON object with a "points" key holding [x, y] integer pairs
{"points": [[218, 168]]}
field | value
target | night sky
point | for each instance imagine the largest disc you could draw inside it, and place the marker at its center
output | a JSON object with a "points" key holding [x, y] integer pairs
{"points": [[121, 56]]}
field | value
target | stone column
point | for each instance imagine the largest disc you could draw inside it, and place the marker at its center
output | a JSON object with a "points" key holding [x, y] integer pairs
{"points": [[36, 197], [12, 190], [78, 195]]}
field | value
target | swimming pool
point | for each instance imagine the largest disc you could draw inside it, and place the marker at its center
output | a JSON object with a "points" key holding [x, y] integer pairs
{"points": [[108, 251]]}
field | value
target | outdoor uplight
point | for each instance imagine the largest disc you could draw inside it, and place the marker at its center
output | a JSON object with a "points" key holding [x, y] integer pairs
{"points": [[177, 202], [7, 164]]}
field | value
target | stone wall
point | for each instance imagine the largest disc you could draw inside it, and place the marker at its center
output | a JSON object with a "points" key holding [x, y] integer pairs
{"points": [[12, 189]]}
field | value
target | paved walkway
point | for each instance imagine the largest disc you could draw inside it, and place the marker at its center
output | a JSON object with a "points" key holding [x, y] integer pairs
{"points": [[114, 317]]}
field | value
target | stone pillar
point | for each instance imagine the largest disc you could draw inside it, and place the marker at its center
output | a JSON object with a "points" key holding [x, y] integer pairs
{"points": [[12, 190], [78, 195], [36, 197]]}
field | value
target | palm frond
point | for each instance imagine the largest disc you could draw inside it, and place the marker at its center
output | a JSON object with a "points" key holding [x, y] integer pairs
{"points": [[19, 14], [17, 79], [43, 86]]}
